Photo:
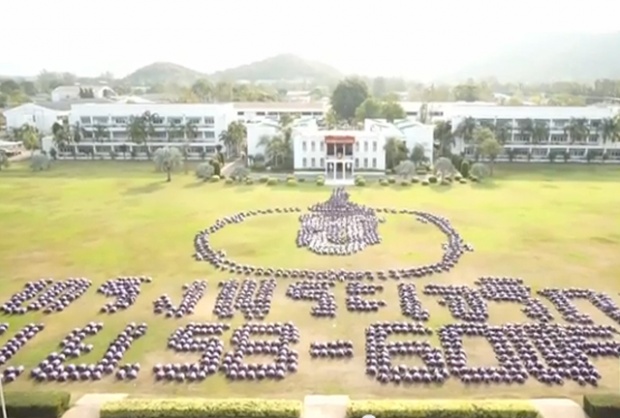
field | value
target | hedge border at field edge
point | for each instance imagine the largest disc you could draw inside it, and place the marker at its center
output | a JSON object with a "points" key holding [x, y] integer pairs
{"points": [[604, 405], [443, 408]]}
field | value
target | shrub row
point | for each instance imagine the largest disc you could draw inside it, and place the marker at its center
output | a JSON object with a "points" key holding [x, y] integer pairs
{"points": [[602, 405], [36, 404], [201, 408], [442, 409]]}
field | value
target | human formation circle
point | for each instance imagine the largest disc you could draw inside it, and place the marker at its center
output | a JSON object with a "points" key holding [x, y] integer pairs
{"points": [[548, 352], [336, 227]]}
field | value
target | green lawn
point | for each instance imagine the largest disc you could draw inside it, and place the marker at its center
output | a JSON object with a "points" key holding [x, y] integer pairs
{"points": [[553, 225]]}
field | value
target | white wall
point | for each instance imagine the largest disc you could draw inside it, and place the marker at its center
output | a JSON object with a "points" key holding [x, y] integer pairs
{"points": [[364, 149], [255, 132], [34, 115], [107, 114], [418, 134]]}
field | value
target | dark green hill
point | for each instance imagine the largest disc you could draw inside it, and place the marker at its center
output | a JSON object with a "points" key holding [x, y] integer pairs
{"points": [[551, 57], [162, 73], [280, 67]]}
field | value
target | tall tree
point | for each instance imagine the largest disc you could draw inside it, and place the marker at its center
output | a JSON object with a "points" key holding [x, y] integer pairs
{"points": [[610, 130], [443, 138], [191, 133], [149, 120], [392, 110], [526, 129], [370, 108], [482, 135], [395, 152], [100, 133], [136, 130], [418, 154], [502, 131], [540, 131], [491, 149], [347, 96], [203, 90], [577, 130], [4, 159], [467, 92], [465, 129]]}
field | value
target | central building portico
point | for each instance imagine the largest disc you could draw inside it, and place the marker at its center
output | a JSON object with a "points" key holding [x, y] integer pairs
{"points": [[340, 164], [339, 155]]}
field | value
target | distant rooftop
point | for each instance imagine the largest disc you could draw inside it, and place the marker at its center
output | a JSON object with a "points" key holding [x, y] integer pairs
{"points": [[65, 105], [319, 107]]}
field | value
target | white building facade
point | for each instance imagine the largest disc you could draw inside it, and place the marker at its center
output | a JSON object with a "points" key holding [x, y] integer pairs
{"points": [[106, 134], [518, 124], [40, 116], [62, 93]]}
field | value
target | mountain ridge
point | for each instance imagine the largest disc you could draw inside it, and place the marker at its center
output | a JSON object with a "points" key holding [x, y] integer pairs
{"points": [[551, 57], [277, 67]]}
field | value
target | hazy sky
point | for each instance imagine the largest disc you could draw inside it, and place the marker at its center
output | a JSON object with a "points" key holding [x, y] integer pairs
{"points": [[390, 37]]}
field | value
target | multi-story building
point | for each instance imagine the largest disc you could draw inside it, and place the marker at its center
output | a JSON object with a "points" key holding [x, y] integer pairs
{"points": [[532, 133], [106, 129], [529, 133], [339, 154], [259, 110]]}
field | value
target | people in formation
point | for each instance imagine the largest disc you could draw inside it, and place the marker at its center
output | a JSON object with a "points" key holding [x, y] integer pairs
{"points": [[338, 226]]}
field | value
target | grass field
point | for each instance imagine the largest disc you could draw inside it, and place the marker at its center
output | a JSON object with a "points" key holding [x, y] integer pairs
{"points": [[553, 225]]}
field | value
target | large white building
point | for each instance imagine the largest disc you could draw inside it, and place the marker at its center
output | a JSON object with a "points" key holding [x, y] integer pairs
{"points": [[340, 154], [102, 116], [105, 128]]}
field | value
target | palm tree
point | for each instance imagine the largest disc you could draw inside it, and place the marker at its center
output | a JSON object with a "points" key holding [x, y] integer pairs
{"points": [[100, 133], [4, 159], [443, 138], [227, 141], [149, 120], [28, 135], [136, 130], [610, 131], [77, 133], [239, 133], [540, 131], [175, 132], [191, 132], [465, 130], [525, 127], [502, 132], [279, 148], [61, 134], [577, 130]]}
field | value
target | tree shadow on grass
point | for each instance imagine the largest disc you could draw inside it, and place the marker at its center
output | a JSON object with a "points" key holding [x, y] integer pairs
{"points": [[195, 184], [440, 188], [145, 189], [484, 185]]}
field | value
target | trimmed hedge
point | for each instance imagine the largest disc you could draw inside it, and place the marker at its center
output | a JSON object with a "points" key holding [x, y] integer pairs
{"points": [[442, 409], [36, 404], [602, 405], [201, 408]]}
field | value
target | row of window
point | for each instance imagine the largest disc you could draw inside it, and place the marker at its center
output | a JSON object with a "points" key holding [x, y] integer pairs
{"points": [[163, 135], [278, 114], [338, 149], [123, 120], [304, 163], [592, 139]]}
